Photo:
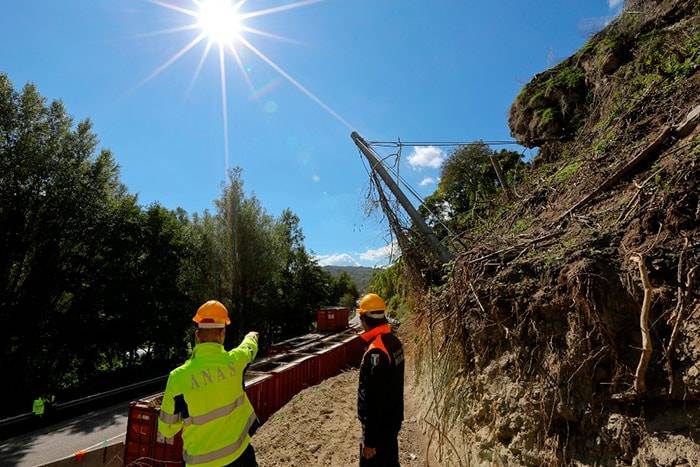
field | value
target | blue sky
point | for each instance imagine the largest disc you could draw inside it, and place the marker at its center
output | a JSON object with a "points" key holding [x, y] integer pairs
{"points": [[425, 70]]}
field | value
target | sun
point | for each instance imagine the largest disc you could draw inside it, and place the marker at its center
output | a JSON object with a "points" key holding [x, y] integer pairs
{"points": [[219, 20], [221, 25]]}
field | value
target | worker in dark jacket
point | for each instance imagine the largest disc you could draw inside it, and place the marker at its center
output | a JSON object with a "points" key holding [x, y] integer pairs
{"points": [[380, 392]]}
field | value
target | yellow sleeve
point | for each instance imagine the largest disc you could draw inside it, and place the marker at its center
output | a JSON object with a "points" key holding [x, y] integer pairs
{"points": [[169, 423], [248, 347]]}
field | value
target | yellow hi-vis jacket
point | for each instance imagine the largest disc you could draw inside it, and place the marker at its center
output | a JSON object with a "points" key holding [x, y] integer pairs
{"points": [[205, 398]]}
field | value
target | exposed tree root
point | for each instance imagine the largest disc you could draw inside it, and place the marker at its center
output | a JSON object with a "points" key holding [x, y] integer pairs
{"points": [[640, 374], [683, 288]]}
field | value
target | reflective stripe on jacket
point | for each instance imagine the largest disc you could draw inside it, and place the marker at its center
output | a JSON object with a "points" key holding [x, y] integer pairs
{"points": [[205, 398]]}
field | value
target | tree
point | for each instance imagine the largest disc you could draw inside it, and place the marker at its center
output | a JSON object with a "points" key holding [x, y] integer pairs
{"points": [[388, 283], [88, 277], [70, 238], [344, 291], [467, 185]]}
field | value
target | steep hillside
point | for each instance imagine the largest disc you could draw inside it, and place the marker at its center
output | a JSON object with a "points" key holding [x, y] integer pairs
{"points": [[532, 352]]}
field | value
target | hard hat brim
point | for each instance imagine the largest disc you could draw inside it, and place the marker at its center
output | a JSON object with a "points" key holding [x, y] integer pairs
{"points": [[211, 325], [370, 310], [374, 314], [198, 319]]}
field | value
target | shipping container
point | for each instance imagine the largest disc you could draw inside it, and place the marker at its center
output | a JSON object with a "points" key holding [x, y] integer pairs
{"points": [[332, 318]]}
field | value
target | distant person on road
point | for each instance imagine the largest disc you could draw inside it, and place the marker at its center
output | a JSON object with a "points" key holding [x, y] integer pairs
{"points": [[38, 406], [380, 391], [41, 404], [205, 396]]}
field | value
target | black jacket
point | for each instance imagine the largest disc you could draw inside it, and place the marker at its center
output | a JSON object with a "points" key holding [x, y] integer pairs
{"points": [[380, 392]]}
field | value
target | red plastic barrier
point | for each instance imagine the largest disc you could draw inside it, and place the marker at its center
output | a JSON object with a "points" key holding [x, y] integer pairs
{"points": [[355, 349], [143, 443], [331, 360], [295, 376], [269, 384], [261, 389]]}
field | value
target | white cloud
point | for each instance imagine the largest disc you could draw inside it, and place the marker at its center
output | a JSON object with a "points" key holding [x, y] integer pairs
{"points": [[381, 255], [316, 178], [614, 3], [427, 156], [340, 259], [373, 257], [427, 181]]}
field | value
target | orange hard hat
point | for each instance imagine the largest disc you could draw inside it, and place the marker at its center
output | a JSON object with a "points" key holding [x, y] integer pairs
{"points": [[371, 305], [212, 314]]}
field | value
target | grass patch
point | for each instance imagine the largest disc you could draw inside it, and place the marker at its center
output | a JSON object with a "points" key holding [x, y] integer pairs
{"points": [[521, 225], [566, 172], [565, 77], [663, 55]]}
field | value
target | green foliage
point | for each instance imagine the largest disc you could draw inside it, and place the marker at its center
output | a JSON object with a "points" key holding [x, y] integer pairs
{"points": [[88, 277], [467, 185], [343, 290], [348, 300], [566, 172], [660, 55], [521, 225], [662, 63], [360, 275], [545, 116], [565, 77], [389, 284], [570, 77]]}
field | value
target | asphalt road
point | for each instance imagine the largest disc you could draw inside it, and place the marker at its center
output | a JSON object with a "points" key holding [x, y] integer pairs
{"points": [[65, 438]]}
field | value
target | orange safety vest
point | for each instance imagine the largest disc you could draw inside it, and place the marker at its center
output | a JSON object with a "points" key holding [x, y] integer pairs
{"points": [[374, 336]]}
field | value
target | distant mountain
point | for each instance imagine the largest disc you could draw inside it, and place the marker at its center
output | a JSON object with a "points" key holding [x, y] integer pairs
{"points": [[359, 274]]}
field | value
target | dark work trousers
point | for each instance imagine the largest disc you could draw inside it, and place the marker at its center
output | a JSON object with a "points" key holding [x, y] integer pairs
{"points": [[387, 454], [247, 459]]}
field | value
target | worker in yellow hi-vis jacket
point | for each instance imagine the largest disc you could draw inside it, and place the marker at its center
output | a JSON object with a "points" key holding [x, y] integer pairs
{"points": [[206, 399]]}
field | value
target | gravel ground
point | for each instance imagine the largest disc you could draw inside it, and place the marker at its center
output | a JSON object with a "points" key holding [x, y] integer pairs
{"points": [[319, 427]]}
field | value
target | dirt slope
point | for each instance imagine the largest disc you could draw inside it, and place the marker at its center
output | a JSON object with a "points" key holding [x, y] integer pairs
{"points": [[319, 427], [530, 353]]}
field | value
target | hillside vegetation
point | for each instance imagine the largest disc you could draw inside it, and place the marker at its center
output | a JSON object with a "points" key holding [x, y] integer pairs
{"points": [[531, 352], [359, 275]]}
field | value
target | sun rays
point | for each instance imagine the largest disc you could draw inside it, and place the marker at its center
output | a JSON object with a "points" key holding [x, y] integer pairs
{"points": [[221, 26]]}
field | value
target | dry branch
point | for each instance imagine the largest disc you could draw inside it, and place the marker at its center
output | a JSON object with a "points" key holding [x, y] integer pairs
{"points": [[641, 156], [640, 374], [679, 131], [519, 245]]}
